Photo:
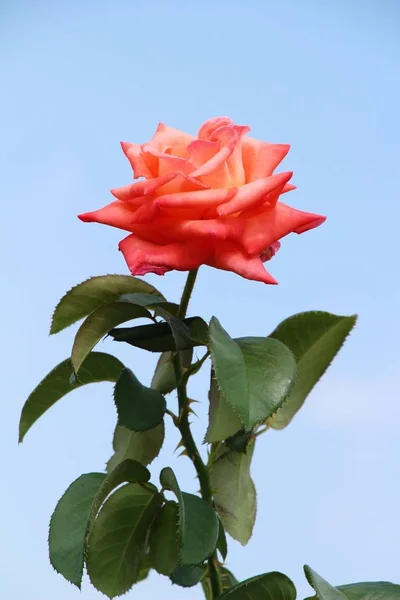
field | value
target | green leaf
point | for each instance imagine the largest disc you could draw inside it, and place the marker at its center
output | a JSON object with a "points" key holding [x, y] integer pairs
{"points": [[169, 482], [187, 576], [223, 420], [324, 590], [76, 511], [240, 441], [61, 380], [145, 569], [139, 408], [117, 543], [148, 300], [228, 580], [164, 539], [85, 297], [200, 531], [376, 590], [166, 307], [143, 446], [234, 492], [198, 522], [222, 545], [314, 338], [99, 323], [158, 337], [128, 471], [254, 374], [269, 586], [184, 333], [68, 526], [180, 331], [164, 376]]}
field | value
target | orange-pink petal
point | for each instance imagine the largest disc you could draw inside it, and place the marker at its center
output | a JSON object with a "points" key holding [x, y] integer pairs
{"points": [[201, 151], [260, 159], [128, 193], [254, 193], [165, 230], [141, 165], [230, 257], [145, 257], [208, 128], [271, 224], [228, 138], [234, 161], [116, 214], [173, 141], [190, 202], [165, 163]]}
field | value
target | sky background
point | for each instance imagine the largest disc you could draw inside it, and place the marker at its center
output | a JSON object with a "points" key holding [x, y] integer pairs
{"points": [[78, 77]]}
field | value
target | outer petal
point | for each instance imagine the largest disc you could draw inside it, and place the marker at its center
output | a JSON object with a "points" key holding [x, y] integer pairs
{"points": [[260, 159], [142, 165], [230, 257], [254, 193], [167, 230], [172, 140], [134, 191], [145, 257], [189, 202], [288, 188], [164, 162], [181, 183], [117, 214], [273, 223]]}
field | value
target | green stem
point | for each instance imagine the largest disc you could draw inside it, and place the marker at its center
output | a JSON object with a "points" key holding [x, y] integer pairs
{"points": [[187, 437], [187, 292]]}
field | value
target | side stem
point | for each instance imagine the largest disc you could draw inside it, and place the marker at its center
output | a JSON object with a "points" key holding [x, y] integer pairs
{"points": [[187, 437]]}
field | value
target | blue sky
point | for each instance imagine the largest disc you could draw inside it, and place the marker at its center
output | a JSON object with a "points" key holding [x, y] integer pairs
{"points": [[80, 77]]}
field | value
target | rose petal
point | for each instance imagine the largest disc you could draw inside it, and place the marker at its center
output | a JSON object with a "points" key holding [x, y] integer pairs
{"points": [[188, 201], [145, 257], [260, 159], [202, 198], [273, 223], [224, 168], [230, 257], [181, 183], [201, 151], [173, 140], [313, 222], [166, 230], [117, 214], [142, 166], [254, 193], [208, 128], [288, 188], [228, 138], [234, 161], [141, 188], [143, 192], [165, 163]]}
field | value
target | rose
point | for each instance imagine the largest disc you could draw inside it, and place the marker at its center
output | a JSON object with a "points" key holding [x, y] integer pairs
{"points": [[210, 200]]}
